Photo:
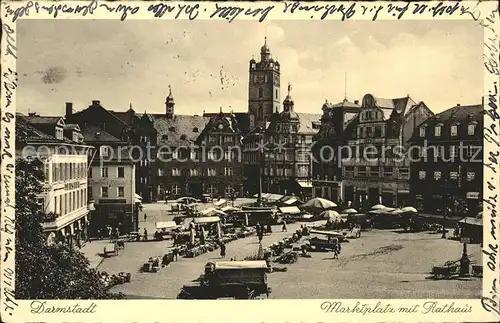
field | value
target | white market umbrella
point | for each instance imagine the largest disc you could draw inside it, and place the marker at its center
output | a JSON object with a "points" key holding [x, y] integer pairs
{"points": [[409, 209], [319, 203], [397, 211], [479, 215], [350, 211], [329, 214]]}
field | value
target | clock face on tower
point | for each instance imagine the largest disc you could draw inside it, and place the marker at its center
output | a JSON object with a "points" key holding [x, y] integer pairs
{"points": [[221, 126]]}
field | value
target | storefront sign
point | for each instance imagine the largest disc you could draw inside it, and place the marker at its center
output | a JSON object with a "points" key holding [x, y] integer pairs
{"points": [[71, 186], [472, 195]]}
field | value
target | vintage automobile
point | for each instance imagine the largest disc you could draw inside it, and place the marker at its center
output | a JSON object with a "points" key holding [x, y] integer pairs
{"points": [[324, 240], [229, 279]]}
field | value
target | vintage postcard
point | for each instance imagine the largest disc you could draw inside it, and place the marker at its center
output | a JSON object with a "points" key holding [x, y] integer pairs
{"points": [[162, 160]]}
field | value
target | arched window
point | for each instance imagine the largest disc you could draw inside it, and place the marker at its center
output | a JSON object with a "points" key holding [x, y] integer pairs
{"points": [[261, 112], [261, 93], [176, 190]]}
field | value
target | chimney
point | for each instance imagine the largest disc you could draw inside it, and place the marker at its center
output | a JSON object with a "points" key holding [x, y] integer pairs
{"points": [[356, 102], [458, 104], [96, 102], [69, 109]]}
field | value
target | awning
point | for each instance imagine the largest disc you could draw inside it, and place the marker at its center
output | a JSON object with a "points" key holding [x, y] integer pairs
{"points": [[305, 184], [274, 197], [206, 219], [220, 202], [165, 225], [138, 198], [290, 201], [229, 208], [307, 216], [207, 211], [472, 195], [472, 221], [290, 209], [403, 191]]}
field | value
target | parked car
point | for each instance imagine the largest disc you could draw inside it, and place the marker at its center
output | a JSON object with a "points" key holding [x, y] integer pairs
{"points": [[206, 198]]}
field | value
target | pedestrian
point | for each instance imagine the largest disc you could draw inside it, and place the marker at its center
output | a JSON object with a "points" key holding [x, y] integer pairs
{"points": [[145, 235], [269, 229], [145, 217], [222, 250], [262, 229], [260, 234], [257, 229], [335, 250], [283, 229], [175, 253]]}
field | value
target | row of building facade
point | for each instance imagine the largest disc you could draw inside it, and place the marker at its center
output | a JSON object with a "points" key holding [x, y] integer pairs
{"points": [[122, 157]]}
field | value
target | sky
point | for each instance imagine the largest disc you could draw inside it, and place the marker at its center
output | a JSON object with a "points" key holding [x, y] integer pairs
{"points": [[134, 62]]}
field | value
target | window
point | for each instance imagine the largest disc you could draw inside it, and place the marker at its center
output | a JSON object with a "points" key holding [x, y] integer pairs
{"points": [[471, 176], [471, 129], [265, 78], [104, 172], [261, 93], [453, 130], [437, 152], [212, 190], [388, 171], [228, 171], [421, 174], [211, 172], [437, 175], [453, 151], [121, 191], [104, 191], [437, 131], [164, 137], [362, 171], [453, 175], [212, 139], [276, 94], [121, 172], [160, 172], [193, 172], [228, 139], [176, 190], [261, 112], [104, 151], [404, 172], [176, 172], [228, 190]]}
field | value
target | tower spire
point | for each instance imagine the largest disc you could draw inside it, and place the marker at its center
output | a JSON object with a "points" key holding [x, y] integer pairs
{"points": [[169, 89], [130, 106], [289, 88], [345, 86]]}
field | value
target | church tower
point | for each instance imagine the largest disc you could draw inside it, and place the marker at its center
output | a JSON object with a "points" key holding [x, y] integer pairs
{"points": [[169, 104], [263, 87]]}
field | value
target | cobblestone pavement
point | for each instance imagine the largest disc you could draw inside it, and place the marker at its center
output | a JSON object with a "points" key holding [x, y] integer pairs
{"points": [[168, 282], [380, 264]]}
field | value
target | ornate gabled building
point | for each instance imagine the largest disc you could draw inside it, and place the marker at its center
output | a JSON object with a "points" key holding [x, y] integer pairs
{"points": [[327, 170], [447, 169], [280, 151], [220, 151], [374, 170]]}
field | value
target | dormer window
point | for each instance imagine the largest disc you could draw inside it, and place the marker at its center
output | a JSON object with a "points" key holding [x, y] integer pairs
{"points": [[422, 132], [59, 133], [195, 129], [437, 131], [453, 130], [172, 129], [471, 129], [164, 137], [183, 137], [104, 151]]}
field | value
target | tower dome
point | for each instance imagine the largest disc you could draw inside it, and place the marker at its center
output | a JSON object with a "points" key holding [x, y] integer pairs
{"points": [[170, 97], [265, 52]]}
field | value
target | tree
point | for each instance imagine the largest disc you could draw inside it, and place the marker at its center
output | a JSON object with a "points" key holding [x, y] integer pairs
{"points": [[47, 271]]}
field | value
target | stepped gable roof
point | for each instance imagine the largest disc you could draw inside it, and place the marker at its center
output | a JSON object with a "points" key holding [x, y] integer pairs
{"points": [[179, 130], [399, 105]]}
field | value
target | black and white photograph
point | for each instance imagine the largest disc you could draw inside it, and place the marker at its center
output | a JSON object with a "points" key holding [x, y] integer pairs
{"points": [[284, 159]]}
